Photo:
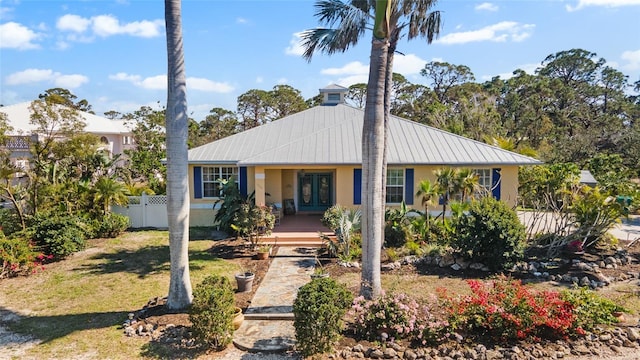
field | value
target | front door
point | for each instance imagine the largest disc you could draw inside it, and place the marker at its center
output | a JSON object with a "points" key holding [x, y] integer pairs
{"points": [[315, 192]]}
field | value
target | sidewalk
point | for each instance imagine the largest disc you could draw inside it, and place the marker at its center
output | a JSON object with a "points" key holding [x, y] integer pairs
{"points": [[268, 324]]}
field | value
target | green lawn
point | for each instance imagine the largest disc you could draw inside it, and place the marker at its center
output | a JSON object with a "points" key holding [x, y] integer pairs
{"points": [[75, 307]]}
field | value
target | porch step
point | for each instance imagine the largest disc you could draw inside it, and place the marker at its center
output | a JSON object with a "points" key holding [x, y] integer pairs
{"points": [[269, 316]]}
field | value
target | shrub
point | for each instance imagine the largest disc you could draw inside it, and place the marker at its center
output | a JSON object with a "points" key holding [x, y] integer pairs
{"points": [[319, 309], [507, 310], [9, 221], [590, 309], [18, 257], [212, 312], [111, 225], [396, 235], [391, 317], [331, 217], [59, 236], [490, 233]]}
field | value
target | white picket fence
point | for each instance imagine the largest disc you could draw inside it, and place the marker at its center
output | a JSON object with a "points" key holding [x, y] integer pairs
{"points": [[145, 211]]}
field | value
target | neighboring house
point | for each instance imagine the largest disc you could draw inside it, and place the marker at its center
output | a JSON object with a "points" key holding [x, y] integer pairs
{"points": [[114, 134], [312, 160]]}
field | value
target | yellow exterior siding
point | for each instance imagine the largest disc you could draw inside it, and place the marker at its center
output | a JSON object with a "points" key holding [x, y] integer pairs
{"points": [[281, 184]]}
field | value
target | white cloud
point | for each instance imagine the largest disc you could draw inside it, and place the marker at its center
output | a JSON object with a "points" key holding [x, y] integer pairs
{"points": [[203, 84], [159, 82], [295, 45], [486, 6], [353, 79], [70, 81], [500, 32], [241, 20], [632, 58], [84, 29], [352, 68], [125, 77], [29, 76], [259, 80], [603, 3], [73, 23], [107, 25], [282, 81], [408, 64], [17, 36], [528, 68]]}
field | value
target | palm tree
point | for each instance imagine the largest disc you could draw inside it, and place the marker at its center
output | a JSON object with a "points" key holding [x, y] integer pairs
{"points": [[445, 179], [177, 123], [353, 19], [428, 191], [467, 182], [110, 191]]}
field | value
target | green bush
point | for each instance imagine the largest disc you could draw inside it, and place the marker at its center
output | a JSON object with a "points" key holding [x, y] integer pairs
{"points": [[111, 225], [17, 257], [397, 235], [9, 221], [59, 236], [590, 309], [331, 217], [490, 233], [319, 310], [212, 312]]}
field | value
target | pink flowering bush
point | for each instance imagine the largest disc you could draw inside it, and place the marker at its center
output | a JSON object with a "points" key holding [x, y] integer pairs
{"points": [[505, 309], [396, 316]]}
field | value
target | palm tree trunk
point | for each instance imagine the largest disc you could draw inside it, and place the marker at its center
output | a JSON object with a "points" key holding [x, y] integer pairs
{"points": [[372, 168], [180, 292]]}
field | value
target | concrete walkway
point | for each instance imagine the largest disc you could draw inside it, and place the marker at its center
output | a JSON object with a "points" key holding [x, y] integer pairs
{"points": [[268, 324]]}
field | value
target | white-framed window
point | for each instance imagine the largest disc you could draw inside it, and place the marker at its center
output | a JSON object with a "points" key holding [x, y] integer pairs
{"points": [[333, 96], [484, 180], [395, 186], [127, 140], [211, 176]]}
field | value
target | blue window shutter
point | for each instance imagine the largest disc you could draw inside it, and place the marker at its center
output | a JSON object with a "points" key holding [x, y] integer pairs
{"points": [[243, 180], [357, 186], [495, 183], [408, 186], [197, 182]]}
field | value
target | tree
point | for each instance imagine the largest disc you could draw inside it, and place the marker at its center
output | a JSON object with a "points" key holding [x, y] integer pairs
{"points": [[428, 192], [145, 159], [285, 100], [353, 20], [357, 95], [444, 76], [219, 124], [253, 108], [180, 291], [65, 97]]}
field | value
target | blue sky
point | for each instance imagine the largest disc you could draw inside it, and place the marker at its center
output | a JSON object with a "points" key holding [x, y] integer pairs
{"points": [[113, 53]]}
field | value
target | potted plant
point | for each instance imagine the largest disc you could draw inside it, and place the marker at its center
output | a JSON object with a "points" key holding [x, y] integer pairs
{"points": [[263, 252], [244, 279], [238, 318]]}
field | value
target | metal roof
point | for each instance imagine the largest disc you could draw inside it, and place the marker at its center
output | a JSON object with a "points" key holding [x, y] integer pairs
{"points": [[20, 119], [331, 135]]}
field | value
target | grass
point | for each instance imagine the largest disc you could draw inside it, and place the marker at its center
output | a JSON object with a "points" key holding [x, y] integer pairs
{"points": [[88, 296]]}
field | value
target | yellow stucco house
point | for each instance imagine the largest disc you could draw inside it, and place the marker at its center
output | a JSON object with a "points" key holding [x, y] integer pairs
{"points": [[311, 160]]}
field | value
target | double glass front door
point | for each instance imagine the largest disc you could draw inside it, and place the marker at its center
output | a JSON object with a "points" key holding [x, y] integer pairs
{"points": [[315, 191]]}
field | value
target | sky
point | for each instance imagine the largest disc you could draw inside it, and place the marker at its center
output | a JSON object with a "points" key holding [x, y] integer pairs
{"points": [[113, 52]]}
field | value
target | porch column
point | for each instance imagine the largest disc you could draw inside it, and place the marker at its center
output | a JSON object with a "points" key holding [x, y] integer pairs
{"points": [[260, 186]]}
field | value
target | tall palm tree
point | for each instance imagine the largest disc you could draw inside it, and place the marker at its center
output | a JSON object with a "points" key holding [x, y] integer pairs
{"points": [[353, 18], [177, 123], [467, 182]]}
